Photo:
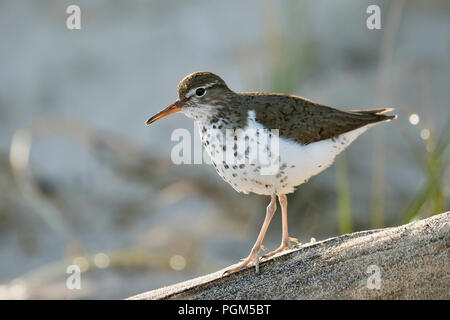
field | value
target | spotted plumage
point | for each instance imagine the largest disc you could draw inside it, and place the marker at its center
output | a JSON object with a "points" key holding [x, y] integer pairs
{"points": [[267, 143]]}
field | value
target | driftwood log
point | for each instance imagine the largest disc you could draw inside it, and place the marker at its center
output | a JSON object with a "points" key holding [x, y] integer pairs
{"points": [[406, 262]]}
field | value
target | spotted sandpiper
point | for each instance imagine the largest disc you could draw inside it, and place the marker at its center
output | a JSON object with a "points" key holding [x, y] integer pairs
{"points": [[309, 136]]}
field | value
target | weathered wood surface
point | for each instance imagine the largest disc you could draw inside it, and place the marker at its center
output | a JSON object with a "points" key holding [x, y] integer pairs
{"points": [[412, 260]]}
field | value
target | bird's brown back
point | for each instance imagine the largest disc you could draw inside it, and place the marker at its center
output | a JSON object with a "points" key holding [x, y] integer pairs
{"points": [[304, 121]]}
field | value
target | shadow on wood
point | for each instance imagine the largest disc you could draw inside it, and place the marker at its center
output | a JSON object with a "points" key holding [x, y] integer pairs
{"points": [[406, 262]]}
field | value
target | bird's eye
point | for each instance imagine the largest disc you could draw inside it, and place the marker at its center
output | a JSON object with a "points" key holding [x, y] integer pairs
{"points": [[200, 91]]}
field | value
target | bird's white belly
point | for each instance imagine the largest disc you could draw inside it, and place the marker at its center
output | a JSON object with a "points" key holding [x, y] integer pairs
{"points": [[297, 163], [304, 161]]}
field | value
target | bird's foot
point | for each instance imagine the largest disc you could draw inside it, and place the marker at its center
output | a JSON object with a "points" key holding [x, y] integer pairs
{"points": [[284, 245], [297, 242], [252, 257]]}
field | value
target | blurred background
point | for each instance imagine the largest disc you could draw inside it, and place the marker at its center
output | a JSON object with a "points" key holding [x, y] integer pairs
{"points": [[83, 181]]}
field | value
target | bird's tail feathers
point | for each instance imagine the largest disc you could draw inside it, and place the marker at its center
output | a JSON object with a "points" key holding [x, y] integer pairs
{"points": [[380, 113]]}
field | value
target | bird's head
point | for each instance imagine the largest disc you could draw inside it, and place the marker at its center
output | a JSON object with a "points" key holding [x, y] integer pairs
{"points": [[198, 93]]}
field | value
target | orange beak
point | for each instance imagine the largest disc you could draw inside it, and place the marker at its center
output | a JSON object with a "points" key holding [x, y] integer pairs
{"points": [[174, 107]]}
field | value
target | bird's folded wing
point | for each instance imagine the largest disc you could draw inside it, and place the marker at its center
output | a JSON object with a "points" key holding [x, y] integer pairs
{"points": [[305, 121]]}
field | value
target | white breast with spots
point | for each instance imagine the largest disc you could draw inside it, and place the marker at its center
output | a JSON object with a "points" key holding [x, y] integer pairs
{"points": [[247, 158]]}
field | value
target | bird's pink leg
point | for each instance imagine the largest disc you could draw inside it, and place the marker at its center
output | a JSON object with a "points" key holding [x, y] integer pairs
{"points": [[285, 240], [253, 256]]}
